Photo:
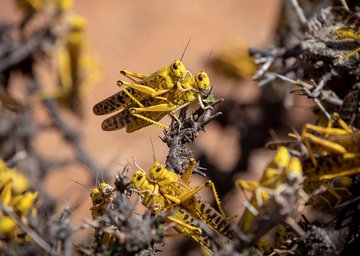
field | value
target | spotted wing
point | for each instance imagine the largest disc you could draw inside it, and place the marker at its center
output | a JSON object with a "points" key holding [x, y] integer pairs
{"points": [[350, 109], [117, 101], [133, 123], [118, 121]]}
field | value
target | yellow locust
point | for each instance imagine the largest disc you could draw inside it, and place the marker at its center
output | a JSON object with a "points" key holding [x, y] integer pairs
{"points": [[177, 190], [152, 85], [151, 109], [325, 140], [186, 224]]}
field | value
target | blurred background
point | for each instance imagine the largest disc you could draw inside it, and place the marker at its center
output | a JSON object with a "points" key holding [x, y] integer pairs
{"points": [[143, 37]]}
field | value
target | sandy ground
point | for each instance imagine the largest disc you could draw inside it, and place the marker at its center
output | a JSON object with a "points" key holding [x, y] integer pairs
{"points": [[144, 36]]}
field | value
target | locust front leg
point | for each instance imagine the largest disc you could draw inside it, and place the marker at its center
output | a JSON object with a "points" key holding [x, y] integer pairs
{"points": [[260, 194], [201, 103], [186, 175]]}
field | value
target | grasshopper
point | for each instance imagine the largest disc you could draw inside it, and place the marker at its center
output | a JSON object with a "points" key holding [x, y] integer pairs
{"points": [[351, 29], [177, 190], [277, 194], [343, 140], [186, 224], [332, 172], [101, 197], [272, 177], [152, 109], [152, 85]]}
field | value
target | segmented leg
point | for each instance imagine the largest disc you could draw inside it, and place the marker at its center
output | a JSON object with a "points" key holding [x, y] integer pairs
{"points": [[133, 75], [144, 89]]}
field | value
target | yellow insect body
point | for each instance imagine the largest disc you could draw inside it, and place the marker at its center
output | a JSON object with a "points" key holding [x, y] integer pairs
{"points": [[273, 176], [152, 199], [153, 109], [332, 172], [152, 85], [178, 191], [101, 197], [351, 21]]}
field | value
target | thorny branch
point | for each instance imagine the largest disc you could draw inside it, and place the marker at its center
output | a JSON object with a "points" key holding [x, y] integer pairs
{"points": [[135, 232], [69, 134], [181, 134]]}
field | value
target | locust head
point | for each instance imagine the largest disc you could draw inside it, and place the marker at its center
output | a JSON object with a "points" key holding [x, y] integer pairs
{"points": [[202, 83], [157, 171], [139, 180], [177, 69], [282, 158], [106, 189], [293, 172]]}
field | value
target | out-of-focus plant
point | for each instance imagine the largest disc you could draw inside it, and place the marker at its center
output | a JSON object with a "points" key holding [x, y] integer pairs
{"points": [[49, 37], [15, 195]]}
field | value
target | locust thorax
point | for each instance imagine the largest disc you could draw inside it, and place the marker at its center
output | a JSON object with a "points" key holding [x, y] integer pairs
{"points": [[281, 158]]}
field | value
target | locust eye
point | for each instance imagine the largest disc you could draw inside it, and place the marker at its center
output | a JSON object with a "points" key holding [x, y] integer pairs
{"points": [[139, 177], [200, 77], [158, 169], [175, 66]]}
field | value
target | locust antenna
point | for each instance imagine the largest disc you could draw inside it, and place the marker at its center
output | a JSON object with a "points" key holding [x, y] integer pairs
{"points": [[102, 176], [97, 178], [136, 164], [208, 60], [153, 150], [79, 183], [131, 164], [182, 56]]}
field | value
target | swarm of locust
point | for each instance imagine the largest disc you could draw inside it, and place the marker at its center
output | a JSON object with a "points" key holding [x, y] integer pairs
{"points": [[167, 194]]}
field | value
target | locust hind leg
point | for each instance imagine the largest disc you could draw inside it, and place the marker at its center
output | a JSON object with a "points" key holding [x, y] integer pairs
{"points": [[196, 230], [158, 110], [144, 89], [191, 192], [133, 75], [147, 120]]}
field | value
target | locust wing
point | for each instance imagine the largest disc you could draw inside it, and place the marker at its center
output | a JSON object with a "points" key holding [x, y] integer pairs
{"points": [[117, 101], [131, 122]]}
